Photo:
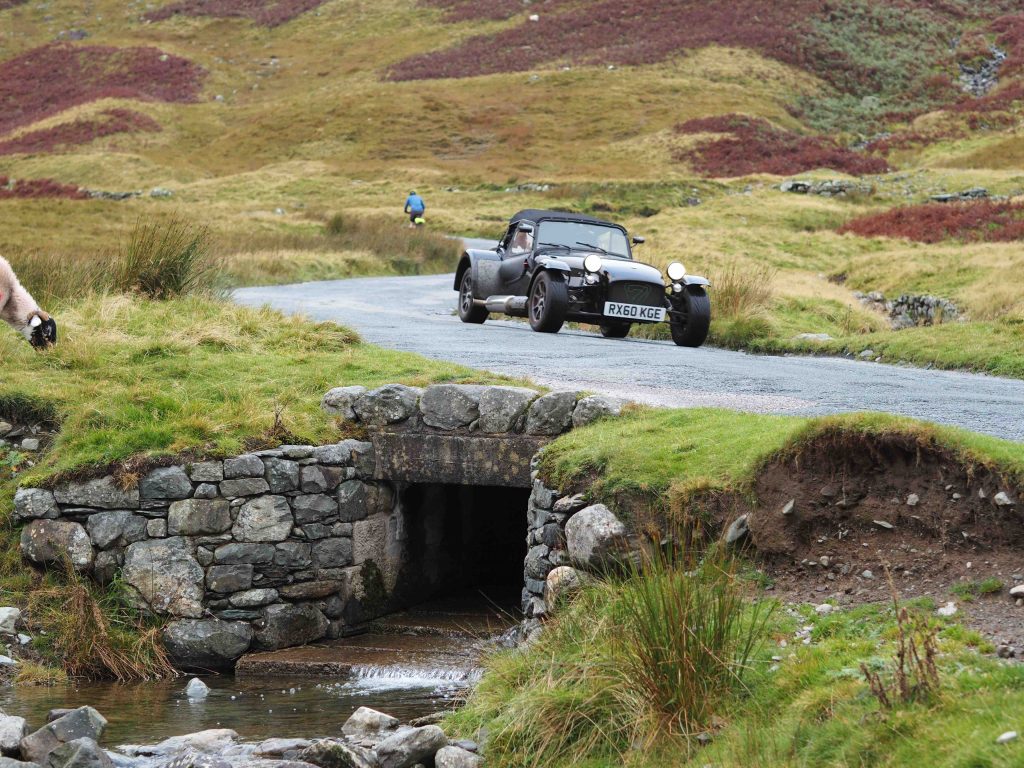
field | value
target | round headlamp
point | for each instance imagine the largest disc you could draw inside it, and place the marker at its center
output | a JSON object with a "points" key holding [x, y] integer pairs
{"points": [[592, 263], [676, 271]]}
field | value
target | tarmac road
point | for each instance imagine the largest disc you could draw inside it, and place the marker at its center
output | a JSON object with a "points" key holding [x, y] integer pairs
{"points": [[416, 314]]}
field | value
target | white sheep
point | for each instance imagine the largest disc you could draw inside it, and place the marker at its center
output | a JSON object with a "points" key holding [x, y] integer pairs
{"points": [[19, 310]]}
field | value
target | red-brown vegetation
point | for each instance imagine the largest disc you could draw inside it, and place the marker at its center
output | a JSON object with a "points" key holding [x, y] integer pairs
{"points": [[37, 188], [47, 80], [108, 123], [610, 32], [756, 146], [267, 13], [5, 4], [983, 221], [1010, 37]]}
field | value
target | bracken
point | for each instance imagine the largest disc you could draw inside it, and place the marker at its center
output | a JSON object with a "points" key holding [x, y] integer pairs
{"points": [[756, 146], [983, 221], [47, 80]]}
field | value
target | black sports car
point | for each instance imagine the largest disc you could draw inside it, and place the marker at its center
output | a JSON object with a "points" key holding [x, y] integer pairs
{"points": [[553, 266]]}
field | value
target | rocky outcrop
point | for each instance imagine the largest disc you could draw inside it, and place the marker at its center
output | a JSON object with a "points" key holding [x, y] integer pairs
{"points": [[907, 311]]}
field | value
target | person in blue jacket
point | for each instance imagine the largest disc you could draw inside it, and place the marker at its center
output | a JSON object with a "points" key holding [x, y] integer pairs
{"points": [[414, 206]]}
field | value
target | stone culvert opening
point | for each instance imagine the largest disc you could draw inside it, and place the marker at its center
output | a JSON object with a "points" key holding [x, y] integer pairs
{"points": [[464, 542]]}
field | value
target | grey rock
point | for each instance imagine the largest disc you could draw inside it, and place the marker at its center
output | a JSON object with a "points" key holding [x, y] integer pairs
{"points": [[12, 731], [165, 483], [293, 554], [253, 598], [119, 527], [267, 518], [385, 405], [259, 554], [79, 753], [315, 479], [35, 504], [229, 578], [197, 689], [329, 753], [594, 536], [1002, 500], [332, 553], [789, 507], [84, 722], [537, 566], [101, 493], [244, 486], [339, 454], [206, 491], [8, 762], [213, 741], [9, 618], [368, 722], [281, 747], [282, 475], [54, 542], [408, 747], [561, 583], [313, 508], [243, 466], [913, 500], [542, 497], [207, 471], [551, 414], [283, 626], [106, 566], [296, 451], [204, 556], [310, 590], [194, 517], [166, 576], [568, 505], [591, 409], [352, 501], [503, 409], [363, 457], [339, 401], [457, 757], [206, 643], [451, 406], [737, 531], [156, 529]]}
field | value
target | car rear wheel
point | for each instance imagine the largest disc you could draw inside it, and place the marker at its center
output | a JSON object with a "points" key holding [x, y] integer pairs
{"points": [[691, 319], [549, 302], [616, 330], [468, 311]]}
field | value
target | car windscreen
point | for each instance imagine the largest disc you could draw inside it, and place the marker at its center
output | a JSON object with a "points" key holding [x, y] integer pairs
{"points": [[579, 235]]}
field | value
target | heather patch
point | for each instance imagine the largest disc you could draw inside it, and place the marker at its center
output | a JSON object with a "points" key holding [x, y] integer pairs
{"points": [[47, 80], [78, 132], [984, 221], [756, 146], [38, 188], [267, 13], [5, 4]]}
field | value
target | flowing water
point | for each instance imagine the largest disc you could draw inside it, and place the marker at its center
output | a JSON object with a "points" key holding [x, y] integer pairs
{"points": [[411, 664]]}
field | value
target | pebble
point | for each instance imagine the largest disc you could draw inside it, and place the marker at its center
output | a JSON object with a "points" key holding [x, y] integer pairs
{"points": [[1017, 591], [788, 508], [7, 661], [24, 639], [949, 609], [1002, 500], [868, 575], [1006, 737], [913, 499], [197, 689], [824, 609], [883, 524], [824, 560], [30, 444]]}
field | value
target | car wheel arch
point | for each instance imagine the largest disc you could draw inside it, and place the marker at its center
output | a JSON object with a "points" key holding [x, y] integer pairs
{"points": [[464, 263]]}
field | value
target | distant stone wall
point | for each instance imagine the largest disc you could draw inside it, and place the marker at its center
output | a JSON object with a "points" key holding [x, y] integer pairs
{"points": [[287, 546]]}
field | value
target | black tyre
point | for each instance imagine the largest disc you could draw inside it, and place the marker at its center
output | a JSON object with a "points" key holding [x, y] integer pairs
{"points": [[692, 319], [549, 302], [616, 330], [468, 311]]}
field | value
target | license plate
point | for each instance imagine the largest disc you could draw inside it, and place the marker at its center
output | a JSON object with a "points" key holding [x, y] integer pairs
{"points": [[634, 311]]}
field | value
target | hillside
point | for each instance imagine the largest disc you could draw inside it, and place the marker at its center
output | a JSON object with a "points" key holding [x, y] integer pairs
{"points": [[261, 118]]}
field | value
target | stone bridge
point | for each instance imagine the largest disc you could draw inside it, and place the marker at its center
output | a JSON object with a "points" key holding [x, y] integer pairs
{"points": [[283, 547]]}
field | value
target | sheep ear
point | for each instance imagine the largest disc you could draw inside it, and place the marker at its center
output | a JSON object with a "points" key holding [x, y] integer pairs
{"points": [[35, 322]]}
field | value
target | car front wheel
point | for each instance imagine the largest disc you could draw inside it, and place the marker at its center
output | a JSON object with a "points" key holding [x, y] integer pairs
{"points": [[468, 311], [691, 319], [616, 330], [549, 302]]}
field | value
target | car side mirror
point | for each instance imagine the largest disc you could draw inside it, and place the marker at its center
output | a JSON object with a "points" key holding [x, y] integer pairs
{"points": [[527, 228], [639, 240]]}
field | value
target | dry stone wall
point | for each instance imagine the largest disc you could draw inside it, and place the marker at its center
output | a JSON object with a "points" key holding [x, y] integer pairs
{"points": [[287, 546]]}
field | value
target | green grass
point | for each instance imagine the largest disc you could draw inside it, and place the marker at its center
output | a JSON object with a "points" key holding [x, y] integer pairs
{"points": [[668, 456], [810, 708], [133, 377]]}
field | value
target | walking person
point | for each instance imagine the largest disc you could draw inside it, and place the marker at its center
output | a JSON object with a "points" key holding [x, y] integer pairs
{"points": [[414, 206]]}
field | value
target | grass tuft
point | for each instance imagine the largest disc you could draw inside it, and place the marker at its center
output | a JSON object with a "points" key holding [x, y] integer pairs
{"points": [[164, 261]]}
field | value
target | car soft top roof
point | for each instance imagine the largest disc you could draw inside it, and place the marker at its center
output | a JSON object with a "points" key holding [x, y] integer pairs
{"points": [[535, 215]]}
